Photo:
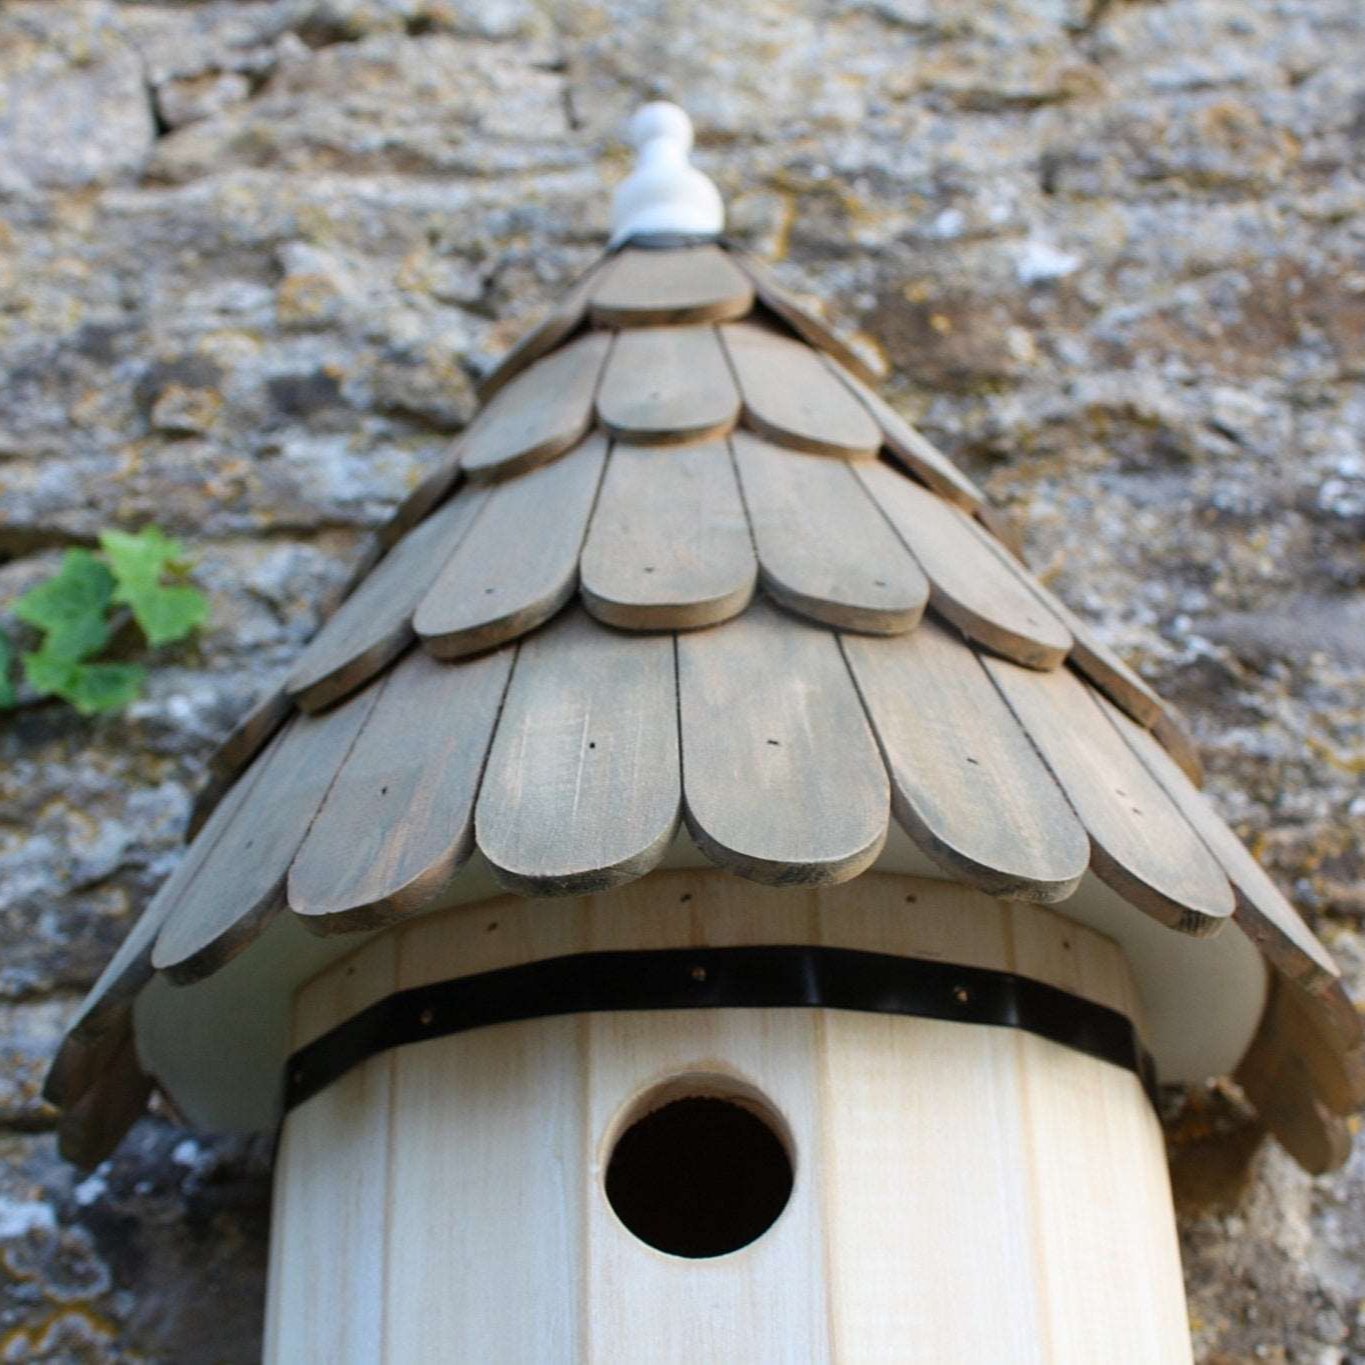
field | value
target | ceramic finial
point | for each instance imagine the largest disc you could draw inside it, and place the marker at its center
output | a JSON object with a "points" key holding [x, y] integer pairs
{"points": [[665, 192]]}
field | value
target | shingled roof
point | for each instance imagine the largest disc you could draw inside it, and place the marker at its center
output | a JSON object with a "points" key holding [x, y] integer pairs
{"points": [[686, 567]]}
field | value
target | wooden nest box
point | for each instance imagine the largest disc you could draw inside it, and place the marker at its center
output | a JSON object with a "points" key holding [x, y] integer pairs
{"points": [[700, 899]]}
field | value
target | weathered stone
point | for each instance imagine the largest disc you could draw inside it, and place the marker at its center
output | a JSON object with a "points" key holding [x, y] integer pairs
{"points": [[29, 1035], [74, 108], [195, 97], [254, 252], [387, 105], [179, 1219]]}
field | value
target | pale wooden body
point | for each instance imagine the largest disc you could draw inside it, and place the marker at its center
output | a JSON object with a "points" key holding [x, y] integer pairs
{"points": [[963, 1192]]}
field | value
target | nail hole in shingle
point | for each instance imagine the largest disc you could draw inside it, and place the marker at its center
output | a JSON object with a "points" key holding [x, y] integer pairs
{"points": [[490, 926]]}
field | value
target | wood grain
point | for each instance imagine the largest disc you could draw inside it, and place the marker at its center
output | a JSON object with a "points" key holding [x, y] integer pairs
{"points": [[1142, 846], [240, 885], [483, 1235], [374, 625], [695, 284], [1336, 1071], [1002, 526], [1274, 1077], [902, 1131], [969, 583], [558, 325], [931, 1128], [967, 785], [519, 564], [94, 1124], [542, 413], [765, 1303], [668, 547], [824, 548], [782, 779], [251, 734], [910, 449], [429, 493], [668, 386], [399, 819], [1170, 732], [582, 787], [332, 1172], [1263, 911], [231, 758], [809, 326], [792, 398], [1091, 656]]}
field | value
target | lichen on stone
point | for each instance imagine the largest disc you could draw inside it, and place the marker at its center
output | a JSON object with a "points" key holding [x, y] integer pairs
{"points": [[255, 255]]}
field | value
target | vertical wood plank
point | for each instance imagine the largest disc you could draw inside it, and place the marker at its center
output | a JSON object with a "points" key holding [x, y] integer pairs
{"points": [[765, 1302], [488, 1162], [1113, 1283], [327, 1298], [928, 1255]]}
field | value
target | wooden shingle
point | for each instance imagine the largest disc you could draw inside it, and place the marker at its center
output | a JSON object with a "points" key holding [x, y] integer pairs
{"points": [[677, 432]]}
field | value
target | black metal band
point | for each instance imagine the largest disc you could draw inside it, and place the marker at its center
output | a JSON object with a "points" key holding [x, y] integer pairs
{"points": [[766, 977]]}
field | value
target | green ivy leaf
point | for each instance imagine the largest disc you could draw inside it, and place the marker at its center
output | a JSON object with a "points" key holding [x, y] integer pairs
{"points": [[8, 696], [140, 561], [90, 688], [104, 687], [71, 607]]}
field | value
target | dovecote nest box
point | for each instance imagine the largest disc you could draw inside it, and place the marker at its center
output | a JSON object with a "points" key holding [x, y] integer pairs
{"points": [[700, 898]]}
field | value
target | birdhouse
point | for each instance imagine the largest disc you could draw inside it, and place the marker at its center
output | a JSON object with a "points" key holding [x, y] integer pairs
{"points": [[700, 898]]}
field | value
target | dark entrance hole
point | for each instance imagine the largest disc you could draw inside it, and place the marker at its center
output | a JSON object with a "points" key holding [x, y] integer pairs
{"points": [[699, 1176]]}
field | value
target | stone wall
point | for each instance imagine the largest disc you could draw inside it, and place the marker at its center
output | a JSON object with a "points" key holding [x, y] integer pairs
{"points": [[252, 255]]}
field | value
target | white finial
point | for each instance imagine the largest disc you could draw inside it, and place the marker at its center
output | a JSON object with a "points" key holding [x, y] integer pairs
{"points": [[665, 192]]}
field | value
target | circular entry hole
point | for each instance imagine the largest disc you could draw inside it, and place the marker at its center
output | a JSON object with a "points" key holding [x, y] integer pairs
{"points": [[699, 1176]]}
